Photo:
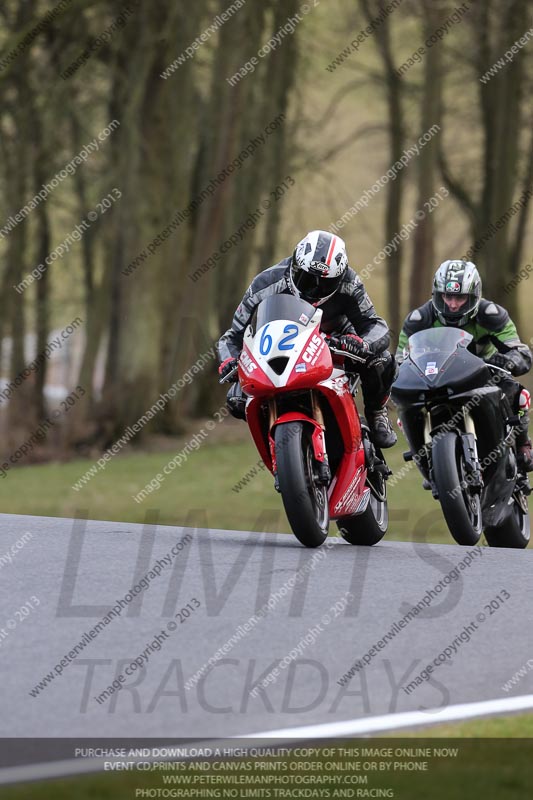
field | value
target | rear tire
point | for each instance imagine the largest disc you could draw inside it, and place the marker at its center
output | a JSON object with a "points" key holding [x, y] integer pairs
{"points": [[513, 532], [462, 510], [371, 526], [305, 502]]}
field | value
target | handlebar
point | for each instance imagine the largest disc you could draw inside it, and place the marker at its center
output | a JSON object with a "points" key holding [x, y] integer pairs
{"points": [[227, 377], [500, 369], [348, 355]]}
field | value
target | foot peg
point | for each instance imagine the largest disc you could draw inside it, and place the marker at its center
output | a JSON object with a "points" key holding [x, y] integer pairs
{"points": [[383, 468]]}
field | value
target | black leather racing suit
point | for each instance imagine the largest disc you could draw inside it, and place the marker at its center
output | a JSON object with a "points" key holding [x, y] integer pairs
{"points": [[350, 310]]}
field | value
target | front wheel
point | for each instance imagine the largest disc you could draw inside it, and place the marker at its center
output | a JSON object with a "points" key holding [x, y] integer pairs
{"points": [[460, 506], [304, 499]]}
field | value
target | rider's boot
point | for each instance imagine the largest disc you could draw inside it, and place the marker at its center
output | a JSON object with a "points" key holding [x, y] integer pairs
{"points": [[236, 401], [381, 430]]}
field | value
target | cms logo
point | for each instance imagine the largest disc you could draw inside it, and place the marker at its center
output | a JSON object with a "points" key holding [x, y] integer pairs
{"points": [[313, 348], [247, 362]]}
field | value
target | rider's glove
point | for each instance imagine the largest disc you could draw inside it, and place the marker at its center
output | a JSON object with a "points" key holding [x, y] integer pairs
{"points": [[350, 343], [227, 366], [513, 361]]}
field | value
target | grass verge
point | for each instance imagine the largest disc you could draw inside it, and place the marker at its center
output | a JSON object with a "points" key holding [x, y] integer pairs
{"points": [[202, 491]]}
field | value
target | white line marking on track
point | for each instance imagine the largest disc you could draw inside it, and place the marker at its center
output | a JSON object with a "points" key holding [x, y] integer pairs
{"points": [[404, 719], [328, 730]]}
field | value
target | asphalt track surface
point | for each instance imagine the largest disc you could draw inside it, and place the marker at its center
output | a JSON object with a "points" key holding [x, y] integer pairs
{"points": [[76, 571]]}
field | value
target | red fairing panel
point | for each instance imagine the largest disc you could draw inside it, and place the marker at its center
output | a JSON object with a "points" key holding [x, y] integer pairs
{"points": [[253, 417], [314, 364], [348, 485], [252, 378]]}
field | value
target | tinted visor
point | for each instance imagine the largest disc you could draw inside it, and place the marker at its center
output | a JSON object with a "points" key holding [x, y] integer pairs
{"points": [[313, 287]]}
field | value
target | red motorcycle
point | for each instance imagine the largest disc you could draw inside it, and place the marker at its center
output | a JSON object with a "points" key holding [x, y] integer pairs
{"points": [[303, 418]]}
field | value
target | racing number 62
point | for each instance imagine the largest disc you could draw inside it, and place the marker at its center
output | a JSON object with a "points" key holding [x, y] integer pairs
{"points": [[265, 344]]}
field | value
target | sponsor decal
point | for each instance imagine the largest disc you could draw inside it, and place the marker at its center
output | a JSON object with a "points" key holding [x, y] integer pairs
{"points": [[313, 349], [453, 286], [300, 368], [349, 498], [247, 362], [431, 368], [339, 385], [318, 266], [363, 502], [304, 319]]}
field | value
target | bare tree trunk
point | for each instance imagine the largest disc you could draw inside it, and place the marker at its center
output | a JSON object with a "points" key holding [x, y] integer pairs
{"points": [[21, 411], [43, 250], [146, 152], [502, 99], [277, 159], [497, 242], [226, 126], [431, 114], [396, 129], [18, 168]]}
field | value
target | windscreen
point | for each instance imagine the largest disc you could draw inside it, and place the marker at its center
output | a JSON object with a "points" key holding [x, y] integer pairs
{"points": [[284, 306], [435, 345]]}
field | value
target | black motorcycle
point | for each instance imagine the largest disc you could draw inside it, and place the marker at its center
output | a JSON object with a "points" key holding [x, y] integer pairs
{"points": [[461, 430]]}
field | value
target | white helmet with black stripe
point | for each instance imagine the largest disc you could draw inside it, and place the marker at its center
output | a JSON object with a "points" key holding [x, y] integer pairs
{"points": [[318, 265]]}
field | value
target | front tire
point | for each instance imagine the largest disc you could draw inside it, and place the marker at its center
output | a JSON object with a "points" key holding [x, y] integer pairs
{"points": [[305, 501], [461, 509]]}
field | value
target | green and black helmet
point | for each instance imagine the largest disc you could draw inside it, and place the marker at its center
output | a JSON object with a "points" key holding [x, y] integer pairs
{"points": [[456, 281]]}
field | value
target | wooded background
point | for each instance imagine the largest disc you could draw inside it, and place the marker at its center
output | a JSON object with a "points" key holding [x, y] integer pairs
{"points": [[342, 121]]}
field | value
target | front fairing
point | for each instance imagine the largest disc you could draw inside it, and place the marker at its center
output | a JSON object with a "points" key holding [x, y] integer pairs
{"points": [[283, 348], [438, 365], [433, 351]]}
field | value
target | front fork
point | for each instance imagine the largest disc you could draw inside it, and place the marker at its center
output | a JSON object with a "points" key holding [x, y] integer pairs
{"points": [[323, 472], [472, 465], [473, 478]]}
